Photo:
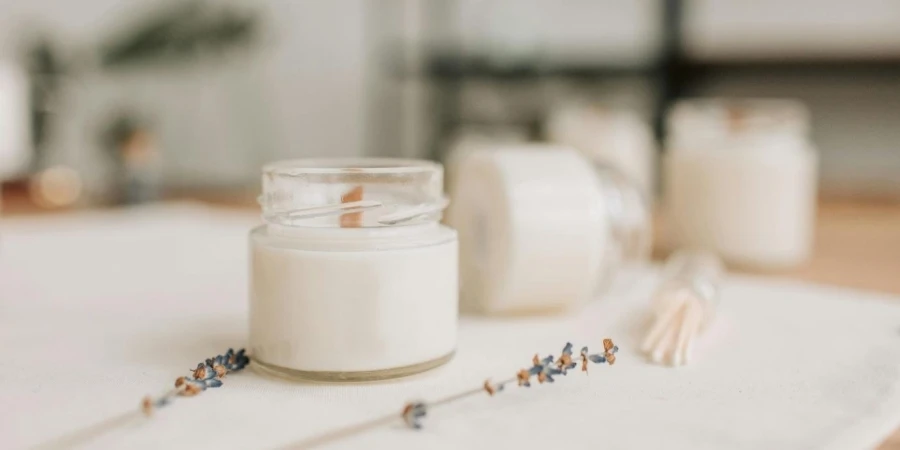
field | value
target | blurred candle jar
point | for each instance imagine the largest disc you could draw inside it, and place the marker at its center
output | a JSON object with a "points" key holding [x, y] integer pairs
{"points": [[617, 138], [740, 180], [542, 228], [15, 121], [352, 276]]}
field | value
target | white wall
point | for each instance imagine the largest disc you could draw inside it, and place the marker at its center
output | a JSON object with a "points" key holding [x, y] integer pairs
{"points": [[302, 94]]}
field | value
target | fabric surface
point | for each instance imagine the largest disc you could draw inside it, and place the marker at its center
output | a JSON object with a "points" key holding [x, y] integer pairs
{"points": [[98, 310]]}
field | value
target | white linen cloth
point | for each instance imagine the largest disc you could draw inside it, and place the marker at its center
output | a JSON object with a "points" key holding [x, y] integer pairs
{"points": [[98, 310]]}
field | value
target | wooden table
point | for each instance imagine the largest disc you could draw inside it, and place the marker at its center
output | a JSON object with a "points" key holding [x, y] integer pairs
{"points": [[857, 245]]}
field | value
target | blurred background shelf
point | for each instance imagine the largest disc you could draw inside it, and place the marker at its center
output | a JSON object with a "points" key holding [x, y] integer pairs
{"points": [[506, 64], [402, 77]]}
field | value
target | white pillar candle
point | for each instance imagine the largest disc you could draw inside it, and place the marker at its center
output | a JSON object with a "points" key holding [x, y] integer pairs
{"points": [[617, 138], [352, 276], [539, 228], [740, 180]]}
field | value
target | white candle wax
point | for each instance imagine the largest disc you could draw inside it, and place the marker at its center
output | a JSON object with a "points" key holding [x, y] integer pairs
{"points": [[349, 306]]}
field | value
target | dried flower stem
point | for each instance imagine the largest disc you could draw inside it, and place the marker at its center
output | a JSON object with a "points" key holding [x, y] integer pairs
{"points": [[84, 435], [371, 424], [207, 374], [464, 394], [412, 413]]}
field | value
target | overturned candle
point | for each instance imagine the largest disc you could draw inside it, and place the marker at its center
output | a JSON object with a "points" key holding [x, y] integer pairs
{"points": [[541, 228]]}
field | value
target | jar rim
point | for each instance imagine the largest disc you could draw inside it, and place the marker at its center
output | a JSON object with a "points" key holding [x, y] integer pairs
{"points": [[300, 167], [739, 113], [693, 121], [352, 192]]}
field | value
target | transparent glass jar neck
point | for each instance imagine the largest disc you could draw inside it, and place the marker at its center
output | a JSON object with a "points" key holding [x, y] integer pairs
{"points": [[628, 236], [352, 193], [351, 234]]}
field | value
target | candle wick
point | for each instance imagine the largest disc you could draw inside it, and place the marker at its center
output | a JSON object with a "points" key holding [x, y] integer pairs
{"points": [[352, 220]]}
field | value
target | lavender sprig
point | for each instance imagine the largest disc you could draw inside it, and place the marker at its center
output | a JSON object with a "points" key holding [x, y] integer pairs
{"points": [[542, 369], [207, 374]]}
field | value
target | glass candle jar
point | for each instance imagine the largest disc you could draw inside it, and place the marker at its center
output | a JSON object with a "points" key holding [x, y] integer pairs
{"points": [[740, 180], [352, 275], [542, 228]]}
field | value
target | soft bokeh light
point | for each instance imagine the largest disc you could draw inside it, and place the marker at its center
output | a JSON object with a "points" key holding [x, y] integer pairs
{"points": [[56, 187]]}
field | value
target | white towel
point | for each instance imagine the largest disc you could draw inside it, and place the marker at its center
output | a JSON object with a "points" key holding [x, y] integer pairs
{"points": [[98, 310]]}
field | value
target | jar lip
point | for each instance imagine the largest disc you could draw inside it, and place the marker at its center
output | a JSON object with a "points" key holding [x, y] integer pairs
{"points": [[300, 167], [743, 103], [352, 192], [721, 117], [784, 108]]}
